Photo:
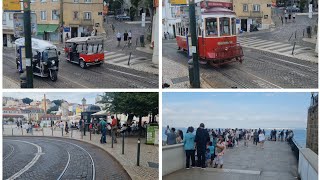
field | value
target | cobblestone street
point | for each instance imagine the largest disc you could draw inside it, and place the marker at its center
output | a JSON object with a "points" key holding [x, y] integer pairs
{"points": [[149, 160], [268, 60], [52, 158]]}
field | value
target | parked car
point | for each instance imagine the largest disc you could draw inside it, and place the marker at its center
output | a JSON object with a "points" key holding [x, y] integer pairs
{"points": [[292, 9], [122, 17]]}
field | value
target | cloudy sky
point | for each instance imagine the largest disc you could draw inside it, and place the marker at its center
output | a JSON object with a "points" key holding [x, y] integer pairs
{"points": [[231, 110], [69, 96]]}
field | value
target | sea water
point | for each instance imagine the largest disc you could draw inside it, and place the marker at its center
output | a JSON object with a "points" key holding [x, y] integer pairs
{"points": [[299, 134]]}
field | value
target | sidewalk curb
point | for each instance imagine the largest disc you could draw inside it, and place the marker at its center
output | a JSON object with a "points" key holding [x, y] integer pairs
{"points": [[80, 141]]}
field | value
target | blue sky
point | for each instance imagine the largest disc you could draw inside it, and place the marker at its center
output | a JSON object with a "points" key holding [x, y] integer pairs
{"points": [[231, 110], [71, 97]]}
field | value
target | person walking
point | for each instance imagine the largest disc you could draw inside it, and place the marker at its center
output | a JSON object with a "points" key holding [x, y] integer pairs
{"points": [[125, 37], [130, 37], [255, 137], [171, 136], [61, 125], [294, 17], [220, 149], [286, 17], [282, 134], [113, 28], [114, 128], [201, 139], [103, 126], [67, 128], [118, 38], [261, 140], [188, 144], [281, 20]]}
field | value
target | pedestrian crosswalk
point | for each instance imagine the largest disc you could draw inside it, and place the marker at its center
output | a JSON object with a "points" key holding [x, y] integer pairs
{"points": [[271, 46], [121, 59]]}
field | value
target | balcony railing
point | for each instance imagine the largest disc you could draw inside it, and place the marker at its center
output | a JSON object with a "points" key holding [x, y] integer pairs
{"points": [[256, 14]]}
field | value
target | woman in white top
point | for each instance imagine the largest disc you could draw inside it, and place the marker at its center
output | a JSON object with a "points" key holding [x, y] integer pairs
{"points": [[261, 139]]}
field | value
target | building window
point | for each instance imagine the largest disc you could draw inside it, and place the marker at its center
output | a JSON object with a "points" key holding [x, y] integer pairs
{"points": [[54, 15], [87, 15], [224, 26], [43, 15], [245, 8], [256, 7], [75, 15], [211, 27], [10, 16], [87, 1]]}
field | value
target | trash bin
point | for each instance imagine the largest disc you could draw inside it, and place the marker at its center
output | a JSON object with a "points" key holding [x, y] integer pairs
{"points": [[309, 31], [23, 80], [142, 40], [190, 68]]}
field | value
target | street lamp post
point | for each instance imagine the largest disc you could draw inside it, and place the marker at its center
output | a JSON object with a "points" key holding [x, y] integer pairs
{"points": [[194, 40], [28, 46]]}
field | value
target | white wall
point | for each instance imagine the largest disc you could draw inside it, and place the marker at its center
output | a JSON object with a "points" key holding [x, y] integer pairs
{"points": [[173, 158], [168, 18], [308, 164]]}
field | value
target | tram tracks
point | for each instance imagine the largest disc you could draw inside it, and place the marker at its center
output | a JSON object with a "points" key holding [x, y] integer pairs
{"points": [[11, 152]]}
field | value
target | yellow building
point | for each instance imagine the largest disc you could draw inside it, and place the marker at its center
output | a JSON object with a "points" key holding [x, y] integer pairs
{"points": [[255, 12], [82, 16], [47, 12]]}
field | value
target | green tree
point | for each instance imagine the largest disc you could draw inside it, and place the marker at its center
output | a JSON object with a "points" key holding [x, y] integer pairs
{"points": [[137, 104], [54, 108], [58, 102], [27, 100]]}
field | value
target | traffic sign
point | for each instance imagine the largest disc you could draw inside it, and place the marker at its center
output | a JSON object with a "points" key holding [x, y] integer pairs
{"points": [[11, 5]]}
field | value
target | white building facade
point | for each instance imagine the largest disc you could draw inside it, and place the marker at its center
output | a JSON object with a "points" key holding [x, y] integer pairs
{"points": [[7, 29], [170, 16]]}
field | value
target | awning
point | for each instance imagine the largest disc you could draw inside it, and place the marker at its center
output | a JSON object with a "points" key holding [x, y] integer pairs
{"points": [[47, 27]]}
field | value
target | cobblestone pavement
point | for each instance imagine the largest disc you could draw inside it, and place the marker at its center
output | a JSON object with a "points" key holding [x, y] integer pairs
{"points": [[260, 69], [72, 76], [58, 159], [149, 160], [275, 162]]}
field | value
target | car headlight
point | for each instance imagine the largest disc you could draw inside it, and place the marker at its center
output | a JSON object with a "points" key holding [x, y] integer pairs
{"points": [[53, 62]]}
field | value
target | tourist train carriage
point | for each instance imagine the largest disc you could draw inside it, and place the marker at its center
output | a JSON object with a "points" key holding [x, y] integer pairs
{"points": [[216, 31]]}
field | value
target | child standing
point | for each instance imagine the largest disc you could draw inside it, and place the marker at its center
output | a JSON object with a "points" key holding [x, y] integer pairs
{"points": [[212, 155], [208, 157]]}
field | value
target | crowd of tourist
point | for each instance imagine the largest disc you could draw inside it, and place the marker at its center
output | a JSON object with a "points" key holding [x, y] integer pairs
{"points": [[206, 147]]}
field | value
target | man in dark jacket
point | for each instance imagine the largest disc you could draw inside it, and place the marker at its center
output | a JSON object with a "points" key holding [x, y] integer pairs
{"points": [[201, 139]]}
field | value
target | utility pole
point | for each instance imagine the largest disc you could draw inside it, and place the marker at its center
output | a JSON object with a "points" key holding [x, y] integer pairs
{"points": [[194, 40], [27, 36]]}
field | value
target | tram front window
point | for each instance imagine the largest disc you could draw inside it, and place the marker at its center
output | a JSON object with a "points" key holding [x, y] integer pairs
{"points": [[211, 27], [224, 26]]}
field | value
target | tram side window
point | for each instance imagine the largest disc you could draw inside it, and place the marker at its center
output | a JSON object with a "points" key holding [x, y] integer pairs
{"points": [[233, 23], [211, 27], [224, 26]]}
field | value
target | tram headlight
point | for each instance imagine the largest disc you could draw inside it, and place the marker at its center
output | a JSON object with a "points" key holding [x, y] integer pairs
{"points": [[53, 62]]}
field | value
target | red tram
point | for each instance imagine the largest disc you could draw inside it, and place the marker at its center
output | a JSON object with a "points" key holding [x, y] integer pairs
{"points": [[217, 39]]}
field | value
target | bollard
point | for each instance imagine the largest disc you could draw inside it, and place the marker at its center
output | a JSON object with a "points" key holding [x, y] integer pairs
{"points": [[61, 131], [122, 142], [71, 132], [31, 131], [129, 59], [111, 138], [22, 131], [12, 131], [303, 33], [293, 47], [51, 131], [90, 135], [138, 153], [295, 35], [290, 37], [42, 132], [81, 135]]}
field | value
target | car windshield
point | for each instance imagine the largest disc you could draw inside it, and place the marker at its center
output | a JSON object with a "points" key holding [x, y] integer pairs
{"points": [[49, 53]]}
